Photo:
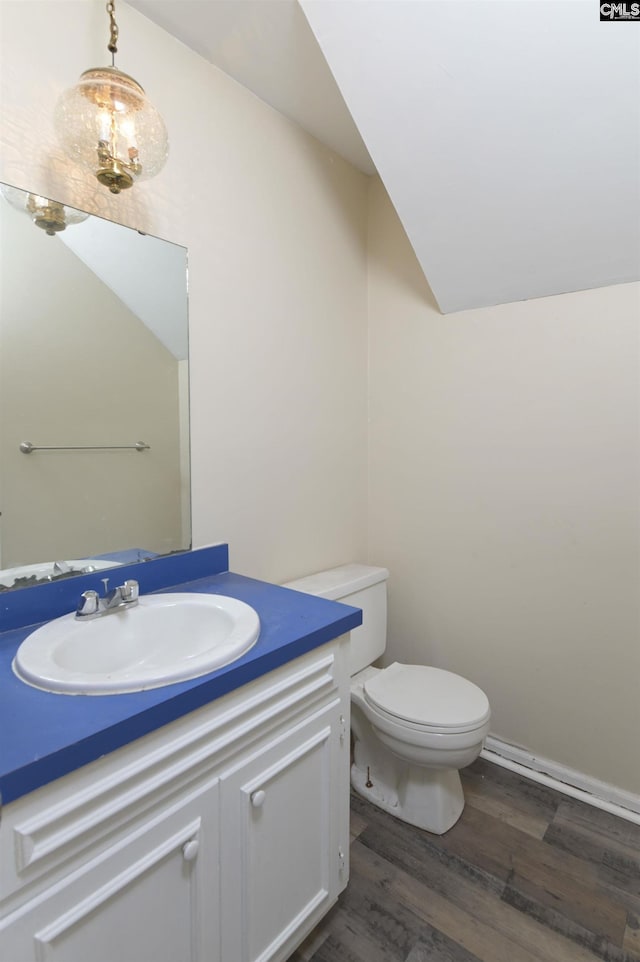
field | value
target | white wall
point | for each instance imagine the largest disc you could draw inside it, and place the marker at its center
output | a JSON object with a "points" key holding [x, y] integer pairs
{"points": [[504, 498], [275, 225]]}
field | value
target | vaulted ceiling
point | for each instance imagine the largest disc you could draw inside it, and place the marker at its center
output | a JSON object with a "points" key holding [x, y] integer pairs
{"points": [[506, 132]]}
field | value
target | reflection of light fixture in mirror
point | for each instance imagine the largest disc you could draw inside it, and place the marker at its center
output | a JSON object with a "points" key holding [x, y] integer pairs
{"points": [[107, 125], [48, 214]]}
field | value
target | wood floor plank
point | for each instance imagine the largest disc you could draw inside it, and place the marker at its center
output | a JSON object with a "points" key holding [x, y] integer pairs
{"points": [[615, 856], [455, 894], [615, 832], [357, 825], [624, 898], [558, 921], [333, 950], [501, 848], [539, 882], [553, 887], [547, 935], [527, 798], [491, 930], [436, 947], [491, 889], [621, 872], [369, 905], [503, 810], [631, 941], [436, 910], [483, 841]]}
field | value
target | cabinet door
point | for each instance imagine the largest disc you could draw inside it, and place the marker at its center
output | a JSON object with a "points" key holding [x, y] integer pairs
{"points": [[283, 839], [151, 897]]}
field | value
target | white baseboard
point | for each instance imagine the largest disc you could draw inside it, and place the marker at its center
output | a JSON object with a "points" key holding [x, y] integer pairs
{"points": [[562, 779]]}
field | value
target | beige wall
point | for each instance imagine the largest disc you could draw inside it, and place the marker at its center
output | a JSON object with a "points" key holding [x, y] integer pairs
{"points": [[275, 225], [504, 496], [78, 368]]}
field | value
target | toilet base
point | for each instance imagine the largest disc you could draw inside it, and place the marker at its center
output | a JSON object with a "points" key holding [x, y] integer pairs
{"points": [[431, 799]]}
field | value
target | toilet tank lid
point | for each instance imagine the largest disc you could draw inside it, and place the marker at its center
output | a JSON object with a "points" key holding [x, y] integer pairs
{"points": [[339, 582]]}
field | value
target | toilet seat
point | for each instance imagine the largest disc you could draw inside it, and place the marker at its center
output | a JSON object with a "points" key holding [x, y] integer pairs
{"points": [[427, 699]]}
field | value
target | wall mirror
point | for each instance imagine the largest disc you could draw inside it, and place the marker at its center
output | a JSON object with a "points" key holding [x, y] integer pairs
{"points": [[94, 400]]}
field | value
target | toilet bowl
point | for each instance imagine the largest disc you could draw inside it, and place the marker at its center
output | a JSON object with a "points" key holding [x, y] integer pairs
{"points": [[413, 726]]}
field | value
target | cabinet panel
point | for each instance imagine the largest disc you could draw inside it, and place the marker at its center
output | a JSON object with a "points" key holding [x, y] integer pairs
{"points": [[152, 896], [279, 849]]}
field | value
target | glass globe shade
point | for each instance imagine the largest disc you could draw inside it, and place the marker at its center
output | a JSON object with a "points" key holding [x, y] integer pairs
{"points": [[106, 124], [50, 215]]}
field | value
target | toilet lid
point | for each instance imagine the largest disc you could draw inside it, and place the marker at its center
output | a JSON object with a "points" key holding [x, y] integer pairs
{"points": [[429, 697]]}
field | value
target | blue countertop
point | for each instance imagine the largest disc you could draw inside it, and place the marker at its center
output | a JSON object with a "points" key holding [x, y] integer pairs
{"points": [[44, 736]]}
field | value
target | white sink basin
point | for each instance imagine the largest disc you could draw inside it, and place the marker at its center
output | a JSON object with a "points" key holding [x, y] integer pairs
{"points": [[165, 638]]}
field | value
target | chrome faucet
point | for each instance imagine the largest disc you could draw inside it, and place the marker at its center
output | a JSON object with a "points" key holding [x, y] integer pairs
{"points": [[91, 605]]}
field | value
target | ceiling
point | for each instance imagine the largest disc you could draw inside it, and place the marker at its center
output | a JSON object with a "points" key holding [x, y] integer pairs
{"points": [[267, 46], [506, 132]]}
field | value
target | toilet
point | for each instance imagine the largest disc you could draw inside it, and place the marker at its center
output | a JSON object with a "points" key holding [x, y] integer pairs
{"points": [[413, 727]]}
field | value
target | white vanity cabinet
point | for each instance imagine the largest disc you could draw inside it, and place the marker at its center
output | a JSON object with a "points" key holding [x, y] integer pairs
{"points": [[282, 852], [221, 837]]}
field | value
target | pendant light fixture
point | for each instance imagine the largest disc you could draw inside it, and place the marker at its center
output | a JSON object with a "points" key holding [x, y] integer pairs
{"points": [[106, 124], [50, 215]]}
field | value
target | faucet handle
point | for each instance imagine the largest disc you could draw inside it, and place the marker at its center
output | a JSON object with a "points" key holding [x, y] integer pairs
{"points": [[88, 604], [130, 590]]}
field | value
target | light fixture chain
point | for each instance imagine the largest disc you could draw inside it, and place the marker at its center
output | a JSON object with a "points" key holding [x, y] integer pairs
{"points": [[112, 46]]}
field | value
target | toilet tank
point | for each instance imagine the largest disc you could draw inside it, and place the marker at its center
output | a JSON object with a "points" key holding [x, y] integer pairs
{"points": [[363, 587]]}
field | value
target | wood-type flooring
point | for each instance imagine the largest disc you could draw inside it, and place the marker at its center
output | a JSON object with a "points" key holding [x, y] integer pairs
{"points": [[526, 875]]}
